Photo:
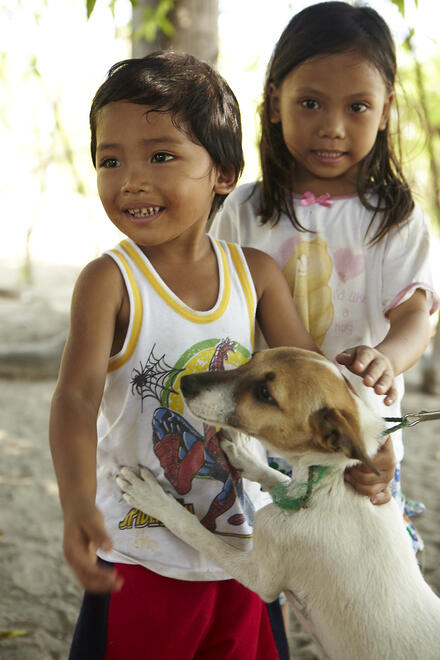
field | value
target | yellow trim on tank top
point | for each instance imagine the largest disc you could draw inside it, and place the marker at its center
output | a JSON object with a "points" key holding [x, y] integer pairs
{"points": [[246, 286], [193, 316], [137, 317]]}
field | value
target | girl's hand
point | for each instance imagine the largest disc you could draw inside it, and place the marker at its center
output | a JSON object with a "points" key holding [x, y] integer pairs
{"points": [[367, 483], [84, 533], [374, 367]]}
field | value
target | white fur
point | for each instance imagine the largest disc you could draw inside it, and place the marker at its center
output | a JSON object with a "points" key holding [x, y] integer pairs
{"points": [[347, 566]]}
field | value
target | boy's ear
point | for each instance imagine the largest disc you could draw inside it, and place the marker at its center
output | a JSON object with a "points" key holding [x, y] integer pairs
{"points": [[226, 180], [386, 112], [274, 104]]}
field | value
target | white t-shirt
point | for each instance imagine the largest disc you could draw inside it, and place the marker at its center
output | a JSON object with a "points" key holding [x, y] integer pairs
{"points": [[144, 420], [343, 287]]}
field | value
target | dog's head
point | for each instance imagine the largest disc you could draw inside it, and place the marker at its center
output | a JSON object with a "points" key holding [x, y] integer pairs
{"points": [[294, 401]]}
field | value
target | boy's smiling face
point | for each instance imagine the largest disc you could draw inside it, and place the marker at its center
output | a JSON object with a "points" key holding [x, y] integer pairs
{"points": [[156, 184]]}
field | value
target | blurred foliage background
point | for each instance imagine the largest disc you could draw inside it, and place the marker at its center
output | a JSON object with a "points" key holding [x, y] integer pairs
{"points": [[55, 53]]}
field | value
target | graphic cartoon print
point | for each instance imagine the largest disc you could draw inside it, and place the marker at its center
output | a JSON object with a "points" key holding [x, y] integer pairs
{"points": [[308, 273], [183, 452]]}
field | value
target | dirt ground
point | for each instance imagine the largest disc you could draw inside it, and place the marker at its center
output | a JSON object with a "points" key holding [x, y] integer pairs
{"points": [[39, 597]]}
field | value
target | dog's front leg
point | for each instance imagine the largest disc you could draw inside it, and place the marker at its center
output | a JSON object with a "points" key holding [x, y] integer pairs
{"points": [[146, 494], [240, 451]]}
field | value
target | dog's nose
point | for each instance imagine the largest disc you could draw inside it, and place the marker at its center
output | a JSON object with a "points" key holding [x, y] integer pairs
{"points": [[189, 385]]}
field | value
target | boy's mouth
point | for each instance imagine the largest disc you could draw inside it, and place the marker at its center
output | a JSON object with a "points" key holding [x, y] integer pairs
{"points": [[144, 211]]}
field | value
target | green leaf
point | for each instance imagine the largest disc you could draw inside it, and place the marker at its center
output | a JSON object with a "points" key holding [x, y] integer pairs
{"points": [[90, 7], [400, 4], [154, 20], [166, 26]]}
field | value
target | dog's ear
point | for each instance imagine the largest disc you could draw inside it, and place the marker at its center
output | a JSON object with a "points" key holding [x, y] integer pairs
{"points": [[336, 430]]}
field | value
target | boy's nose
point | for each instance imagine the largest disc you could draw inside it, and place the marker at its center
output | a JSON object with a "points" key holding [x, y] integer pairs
{"points": [[135, 180]]}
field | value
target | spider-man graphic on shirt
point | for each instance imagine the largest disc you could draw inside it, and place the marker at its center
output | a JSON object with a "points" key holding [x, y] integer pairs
{"points": [[183, 452]]}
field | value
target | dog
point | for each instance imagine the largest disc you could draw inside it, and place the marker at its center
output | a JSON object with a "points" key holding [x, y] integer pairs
{"points": [[347, 566]]}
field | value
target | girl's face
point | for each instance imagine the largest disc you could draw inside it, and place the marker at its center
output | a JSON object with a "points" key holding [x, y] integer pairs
{"points": [[331, 108]]}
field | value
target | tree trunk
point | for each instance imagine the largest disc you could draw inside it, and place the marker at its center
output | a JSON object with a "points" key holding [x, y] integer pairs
{"points": [[195, 25]]}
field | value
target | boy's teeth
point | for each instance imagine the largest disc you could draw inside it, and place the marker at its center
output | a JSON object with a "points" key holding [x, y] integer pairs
{"points": [[144, 211]]}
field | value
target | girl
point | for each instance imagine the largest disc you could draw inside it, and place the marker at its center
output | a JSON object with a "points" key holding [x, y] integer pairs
{"points": [[333, 206]]}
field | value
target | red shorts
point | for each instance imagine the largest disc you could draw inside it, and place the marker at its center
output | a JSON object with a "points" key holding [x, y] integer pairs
{"points": [[159, 618]]}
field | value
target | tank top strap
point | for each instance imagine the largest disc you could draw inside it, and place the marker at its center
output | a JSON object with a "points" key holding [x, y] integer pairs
{"points": [[136, 309], [247, 284]]}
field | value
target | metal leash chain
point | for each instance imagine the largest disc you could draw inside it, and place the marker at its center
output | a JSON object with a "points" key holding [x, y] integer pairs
{"points": [[411, 419]]}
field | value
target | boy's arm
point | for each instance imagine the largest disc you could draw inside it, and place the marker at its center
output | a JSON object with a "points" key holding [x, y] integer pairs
{"points": [[405, 342], [96, 303], [276, 313]]}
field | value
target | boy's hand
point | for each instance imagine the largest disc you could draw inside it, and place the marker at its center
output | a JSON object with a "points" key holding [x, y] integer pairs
{"points": [[374, 367], [367, 483], [84, 533]]}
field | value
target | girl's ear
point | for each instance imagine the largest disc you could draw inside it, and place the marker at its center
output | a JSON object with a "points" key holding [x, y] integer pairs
{"points": [[274, 104], [386, 112], [225, 180]]}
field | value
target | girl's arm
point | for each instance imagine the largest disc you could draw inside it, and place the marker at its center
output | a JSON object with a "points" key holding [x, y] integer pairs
{"points": [[404, 344], [96, 302]]}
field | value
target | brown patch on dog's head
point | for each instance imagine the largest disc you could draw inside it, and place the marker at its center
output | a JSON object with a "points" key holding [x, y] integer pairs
{"points": [[335, 430], [293, 400], [279, 389]]}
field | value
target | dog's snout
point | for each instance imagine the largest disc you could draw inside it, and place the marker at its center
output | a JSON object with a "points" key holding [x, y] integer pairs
{"points": [[189, 385]]}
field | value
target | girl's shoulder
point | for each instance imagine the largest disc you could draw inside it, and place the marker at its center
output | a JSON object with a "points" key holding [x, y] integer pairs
{"points": [[238, 218], [247, 195], [416, 226]]}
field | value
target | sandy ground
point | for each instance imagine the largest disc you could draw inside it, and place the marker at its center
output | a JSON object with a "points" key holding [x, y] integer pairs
{"points": [[39, 598]]}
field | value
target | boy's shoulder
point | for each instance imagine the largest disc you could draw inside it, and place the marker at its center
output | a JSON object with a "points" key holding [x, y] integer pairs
{"points": [[262, 266], [100, 268], [100, 277]]}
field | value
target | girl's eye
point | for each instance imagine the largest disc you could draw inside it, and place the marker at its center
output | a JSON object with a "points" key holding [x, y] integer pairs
{"points": [[161, 157], [109, 163], [358, 107], [310, 104]]}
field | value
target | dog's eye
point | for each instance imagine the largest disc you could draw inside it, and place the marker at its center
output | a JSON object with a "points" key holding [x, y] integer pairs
{"points": [[263, 393]]}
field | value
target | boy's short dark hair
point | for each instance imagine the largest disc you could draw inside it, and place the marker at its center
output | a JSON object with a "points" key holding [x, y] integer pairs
{"points": [[192, 92]]}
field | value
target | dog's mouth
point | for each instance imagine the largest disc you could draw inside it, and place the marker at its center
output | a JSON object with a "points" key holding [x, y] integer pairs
{"points": [[202, 409], [211, 403]]}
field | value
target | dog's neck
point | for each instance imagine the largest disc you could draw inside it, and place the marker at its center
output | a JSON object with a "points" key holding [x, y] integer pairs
{"points": [[298, 493]]}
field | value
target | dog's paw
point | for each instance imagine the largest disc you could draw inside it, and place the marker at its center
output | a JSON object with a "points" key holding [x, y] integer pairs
{"points": [[142, 491], [241, 455]]}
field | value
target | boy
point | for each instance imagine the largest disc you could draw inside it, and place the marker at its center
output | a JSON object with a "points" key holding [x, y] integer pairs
{"points": [[166, 143]]}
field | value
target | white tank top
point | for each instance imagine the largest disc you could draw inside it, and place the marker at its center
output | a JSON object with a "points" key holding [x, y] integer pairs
{"points": [[143, 420]]}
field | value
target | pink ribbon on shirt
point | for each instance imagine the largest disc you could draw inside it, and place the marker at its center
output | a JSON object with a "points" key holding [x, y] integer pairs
{"points": [[309, 198]]}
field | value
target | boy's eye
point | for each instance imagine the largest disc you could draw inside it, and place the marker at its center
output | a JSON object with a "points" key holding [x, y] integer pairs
{"points": [[358, 107], [310, 104], [109, 163], [161, 157]]}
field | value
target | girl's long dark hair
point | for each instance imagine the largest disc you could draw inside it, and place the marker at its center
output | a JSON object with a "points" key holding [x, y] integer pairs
{"points": [[329, 28]]}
